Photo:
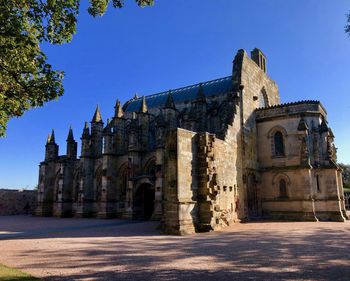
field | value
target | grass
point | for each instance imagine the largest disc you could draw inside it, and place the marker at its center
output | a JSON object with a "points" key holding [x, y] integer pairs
{"points": [[12, 274]]}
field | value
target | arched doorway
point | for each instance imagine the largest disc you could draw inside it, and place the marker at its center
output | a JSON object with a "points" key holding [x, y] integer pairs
{"points": [[144, 201]]}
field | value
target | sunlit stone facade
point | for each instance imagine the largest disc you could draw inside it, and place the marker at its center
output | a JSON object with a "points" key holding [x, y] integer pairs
{"points": [[200, 158]]}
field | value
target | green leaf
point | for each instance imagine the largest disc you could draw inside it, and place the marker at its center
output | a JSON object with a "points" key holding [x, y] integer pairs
{"points": [[26, 79]]}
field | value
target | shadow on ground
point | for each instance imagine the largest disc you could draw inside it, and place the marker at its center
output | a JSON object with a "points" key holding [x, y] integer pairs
{"points": [[136, 251]]}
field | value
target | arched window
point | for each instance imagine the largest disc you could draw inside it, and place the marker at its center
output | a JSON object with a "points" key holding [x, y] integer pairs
{"points": [[283, 188], [150, 169], [263, 99], [121, 180], [279, 145]]}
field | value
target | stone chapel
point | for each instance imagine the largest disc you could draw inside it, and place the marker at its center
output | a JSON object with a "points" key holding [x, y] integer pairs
{"points": [[199, 158]]}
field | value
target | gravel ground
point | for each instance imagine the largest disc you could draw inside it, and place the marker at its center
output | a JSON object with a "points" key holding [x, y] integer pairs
{"points": [[91, 249]]}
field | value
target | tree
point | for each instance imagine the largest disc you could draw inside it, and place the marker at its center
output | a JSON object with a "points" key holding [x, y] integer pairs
{"points": [[346, 175], [26, 79], [347, 27]]}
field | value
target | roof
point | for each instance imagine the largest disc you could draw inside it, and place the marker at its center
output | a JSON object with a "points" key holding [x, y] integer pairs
{"points": [[299, 109], [289, 104], [189, 93]]}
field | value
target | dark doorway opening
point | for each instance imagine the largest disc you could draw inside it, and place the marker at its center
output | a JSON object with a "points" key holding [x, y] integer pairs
{"points": [[253, 198], [144, 201]]}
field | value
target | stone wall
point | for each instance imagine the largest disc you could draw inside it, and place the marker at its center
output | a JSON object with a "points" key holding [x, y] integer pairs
{"points": [[180, 184], [17, 202], [224, 183], [311, 186], [255, 82], [258, 90], [200, 187]]}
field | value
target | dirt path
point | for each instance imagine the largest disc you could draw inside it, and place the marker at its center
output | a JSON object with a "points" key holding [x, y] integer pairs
{"points": [[91, 249]]}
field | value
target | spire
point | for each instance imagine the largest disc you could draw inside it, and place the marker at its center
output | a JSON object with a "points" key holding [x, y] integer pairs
{"points": [[71, 145], [200, 93], [51, 148], [118, 109], [97, 116], [48, 139], [136, 96], [70, 137], [52, 137], [143, 107], [86, 130], [170, 101]]}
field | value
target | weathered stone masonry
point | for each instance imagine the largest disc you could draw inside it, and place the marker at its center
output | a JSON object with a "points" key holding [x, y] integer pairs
{"points": [[17, 201], [200, 157]]}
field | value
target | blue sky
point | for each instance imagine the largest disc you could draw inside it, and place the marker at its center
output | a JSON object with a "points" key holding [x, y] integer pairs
{"points": [[181, 42]]}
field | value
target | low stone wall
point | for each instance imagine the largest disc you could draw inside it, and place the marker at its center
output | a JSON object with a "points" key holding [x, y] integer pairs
{"points": [[17, 202]]}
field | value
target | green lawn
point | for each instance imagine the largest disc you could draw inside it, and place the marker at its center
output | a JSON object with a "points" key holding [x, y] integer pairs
{"points": [[12, 274]]}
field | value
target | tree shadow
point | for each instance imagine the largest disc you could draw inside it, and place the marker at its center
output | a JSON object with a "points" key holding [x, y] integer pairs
{"points": [[136, 251]]}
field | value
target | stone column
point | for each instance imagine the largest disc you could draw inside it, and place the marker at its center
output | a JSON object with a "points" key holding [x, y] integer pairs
{"points": [[108, 201], [158, 192], [46, 189]]}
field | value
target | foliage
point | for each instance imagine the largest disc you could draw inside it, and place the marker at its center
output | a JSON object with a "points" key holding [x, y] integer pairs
{"points": [[8, 273], [347, 27], [26, 79], [346, 175]]}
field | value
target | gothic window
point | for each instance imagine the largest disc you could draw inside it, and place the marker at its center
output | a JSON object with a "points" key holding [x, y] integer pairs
{"points": [[283, 188], [150, 169], [279, 145], [262, 99], [104, 145], [122, 180]]}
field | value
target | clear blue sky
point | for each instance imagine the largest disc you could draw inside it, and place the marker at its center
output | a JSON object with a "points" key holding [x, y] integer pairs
{"points": [[181, 42]]}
